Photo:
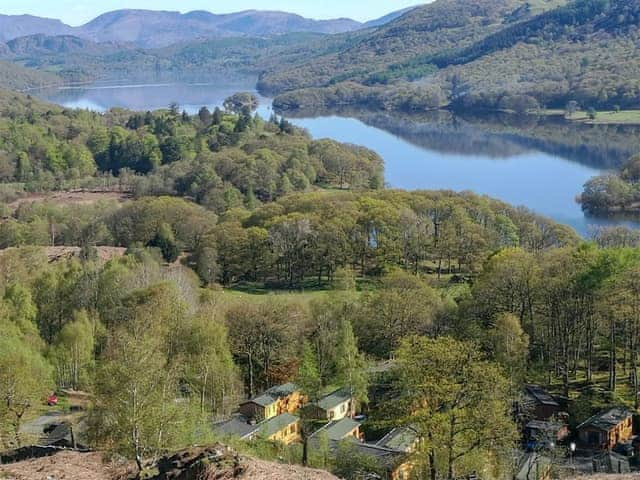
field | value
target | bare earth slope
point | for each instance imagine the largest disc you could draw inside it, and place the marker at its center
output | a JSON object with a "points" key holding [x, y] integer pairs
{"points": [[90, 466]]}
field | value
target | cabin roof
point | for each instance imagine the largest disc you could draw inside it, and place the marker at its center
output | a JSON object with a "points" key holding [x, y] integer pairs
{"points": [[400, 438], [607, 419], [540, 395], [334, 399], [544, 426], [390, 458], [240, 426], [276, 424], [612, 462], [237, 426], [338, 429], [271, 396]]}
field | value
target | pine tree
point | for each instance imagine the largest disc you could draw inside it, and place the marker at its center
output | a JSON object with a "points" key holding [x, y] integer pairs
{"points": [[351, 366], [308, 379]]}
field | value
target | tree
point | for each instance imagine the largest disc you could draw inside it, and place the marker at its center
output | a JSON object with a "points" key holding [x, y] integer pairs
{"points": [[405, 305], [510, 346], [308, 378], [166, 242], [345, 280], [171, 150], [309, 382], [25, 381], [206, 263], [135, 412], [72, 352], [460, 403], [204, 114], [571, 108], [263, 340], [291, 239], [351, 366], [353, 465], [241, 101], [202, 348]]}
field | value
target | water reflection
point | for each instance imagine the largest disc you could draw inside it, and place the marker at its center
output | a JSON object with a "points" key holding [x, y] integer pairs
{"points": [[502, 135]]}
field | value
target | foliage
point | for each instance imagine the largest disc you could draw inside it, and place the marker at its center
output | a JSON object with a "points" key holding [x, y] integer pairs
{"points": [[351, 367], [72, 353], [308, 378], [25, 377], [460, 403], [611, 192], [223, 160]]}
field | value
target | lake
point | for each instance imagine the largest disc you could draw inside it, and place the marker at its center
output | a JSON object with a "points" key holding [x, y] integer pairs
{"points": [[539, 164]]}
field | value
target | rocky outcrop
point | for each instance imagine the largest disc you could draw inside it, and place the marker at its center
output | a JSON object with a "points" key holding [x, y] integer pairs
{"points": [[203, 463]]}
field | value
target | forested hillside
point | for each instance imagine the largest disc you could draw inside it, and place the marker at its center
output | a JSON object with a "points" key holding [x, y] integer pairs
{"points": [[19, 78], [221, 159], [498, 55]]}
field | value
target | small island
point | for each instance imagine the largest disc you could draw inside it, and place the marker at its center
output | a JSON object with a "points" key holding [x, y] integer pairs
{"points": [[613, 193]]}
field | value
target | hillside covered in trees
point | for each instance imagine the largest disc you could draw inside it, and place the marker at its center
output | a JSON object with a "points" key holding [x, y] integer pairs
{"points": [[220, 159], [496, 55]]}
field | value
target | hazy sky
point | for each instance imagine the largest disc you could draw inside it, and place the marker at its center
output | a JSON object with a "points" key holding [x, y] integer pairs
{"points": [[75, 12]]}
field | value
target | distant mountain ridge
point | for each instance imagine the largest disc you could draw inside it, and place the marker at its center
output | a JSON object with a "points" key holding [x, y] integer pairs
{"points": [[14, 26], [379, 22], [154, 29]]}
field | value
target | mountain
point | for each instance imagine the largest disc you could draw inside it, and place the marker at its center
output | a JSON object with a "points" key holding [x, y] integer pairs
{"points": [[13, 26], [149, 28], [509, 55], [388, 18], [156, 29]]}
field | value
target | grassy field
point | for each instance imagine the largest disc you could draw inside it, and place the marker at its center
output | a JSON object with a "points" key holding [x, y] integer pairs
{"points": [[606, 117]]}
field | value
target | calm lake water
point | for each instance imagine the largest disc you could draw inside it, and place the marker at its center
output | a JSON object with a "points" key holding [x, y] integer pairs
{"points": [[540, 165]]}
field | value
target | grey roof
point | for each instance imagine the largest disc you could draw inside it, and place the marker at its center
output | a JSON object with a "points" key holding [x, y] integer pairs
{"points": [[276, 424], [540, 395], [238, 426], [272, 395], [607, 419], [400, 438], [544, 426], [386, 456], [334, 399], [338, 430]]}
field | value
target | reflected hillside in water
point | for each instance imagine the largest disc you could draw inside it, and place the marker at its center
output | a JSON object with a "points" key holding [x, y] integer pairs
{"points": [[149, 94], [501, 136]]}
